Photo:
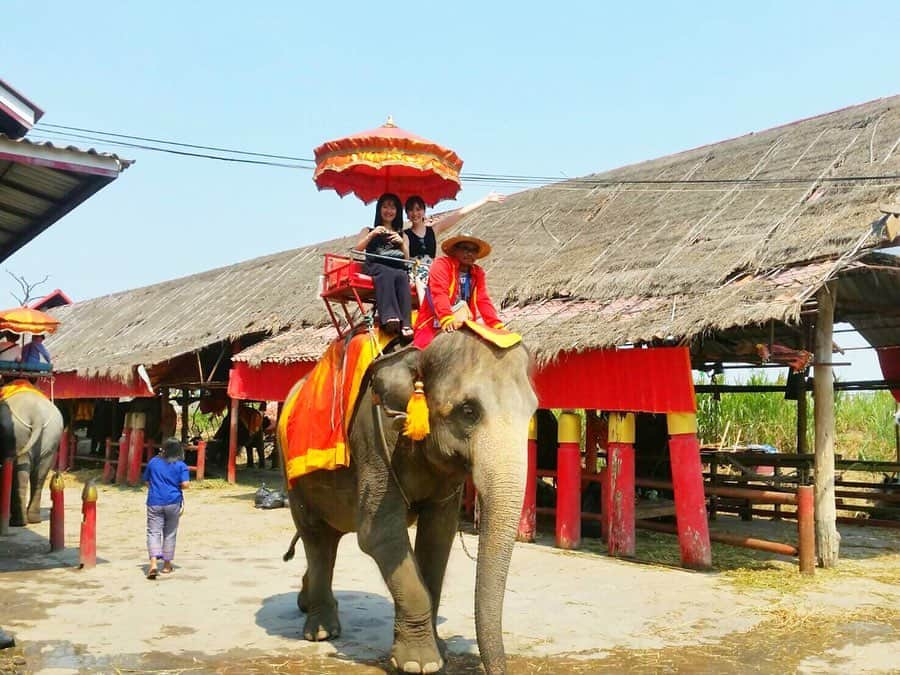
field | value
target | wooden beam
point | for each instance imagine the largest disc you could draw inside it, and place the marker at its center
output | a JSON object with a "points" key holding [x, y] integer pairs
{"points": [[828, 540], [185, 416]]}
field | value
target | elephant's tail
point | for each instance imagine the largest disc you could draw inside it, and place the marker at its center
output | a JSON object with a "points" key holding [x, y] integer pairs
{"points": [[289, 554], [35, 430]]}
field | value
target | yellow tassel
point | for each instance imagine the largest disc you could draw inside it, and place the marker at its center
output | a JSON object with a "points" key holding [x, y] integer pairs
{"points": [[417, 426]]}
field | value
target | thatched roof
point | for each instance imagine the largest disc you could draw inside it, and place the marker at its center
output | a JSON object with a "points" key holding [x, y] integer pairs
{"points": [[630, 255]]}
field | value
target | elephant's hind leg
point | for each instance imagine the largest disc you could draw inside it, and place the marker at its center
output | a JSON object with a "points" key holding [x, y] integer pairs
{"points": [[39, 471], [322, 621], [19, 500]]}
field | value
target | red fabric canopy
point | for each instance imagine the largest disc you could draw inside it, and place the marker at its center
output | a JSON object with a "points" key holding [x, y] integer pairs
{"points": [[388, 159], [657, 380], [73, 385], [269, 382]]}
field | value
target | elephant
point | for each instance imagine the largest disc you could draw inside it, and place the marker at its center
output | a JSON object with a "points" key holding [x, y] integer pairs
{"points": [[480, 400], [37, 426]]}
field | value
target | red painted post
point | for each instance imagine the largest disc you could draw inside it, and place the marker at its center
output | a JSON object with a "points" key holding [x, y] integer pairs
{"points": [[109, 471], [88, 541], [62, 461], [528, 518], [568, 482], [201, 460], [232, 441], [806, 530], [605, 502], [136, 451], [124, 445], [687, 483], [6, 480], [57, 513], [620, 470]]}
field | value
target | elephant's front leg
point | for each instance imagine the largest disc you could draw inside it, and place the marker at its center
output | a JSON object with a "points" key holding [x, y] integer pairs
{"points": [[437, 524], [383, 535]]}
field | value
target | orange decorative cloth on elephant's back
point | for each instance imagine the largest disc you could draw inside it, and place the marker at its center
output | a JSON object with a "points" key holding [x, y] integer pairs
{"points": [[18, 387], [312, 429]]}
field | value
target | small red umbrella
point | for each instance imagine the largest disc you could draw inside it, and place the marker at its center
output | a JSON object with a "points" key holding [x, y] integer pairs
{"points": [[388, 159], [26, 320]]}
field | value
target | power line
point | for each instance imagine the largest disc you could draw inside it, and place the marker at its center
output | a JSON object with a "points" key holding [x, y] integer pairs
{"points": [[195, 146], [508, 180]]}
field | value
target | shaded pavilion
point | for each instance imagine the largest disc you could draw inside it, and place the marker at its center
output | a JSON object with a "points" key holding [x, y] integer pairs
{"points": [[767, 238]]}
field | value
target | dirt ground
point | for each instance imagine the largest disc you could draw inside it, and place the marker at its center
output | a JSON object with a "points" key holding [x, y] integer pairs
{"points": [[230, 605]]}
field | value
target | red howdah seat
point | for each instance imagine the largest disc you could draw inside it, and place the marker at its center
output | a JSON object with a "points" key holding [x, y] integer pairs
{"points": [[344, 281]]}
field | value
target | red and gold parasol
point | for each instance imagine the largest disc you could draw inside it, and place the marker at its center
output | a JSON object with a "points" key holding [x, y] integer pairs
{"points": [[26, 320], [388, 159]]}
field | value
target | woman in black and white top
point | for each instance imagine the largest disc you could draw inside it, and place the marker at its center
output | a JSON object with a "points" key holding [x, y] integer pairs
{"points": [[421, 239]]}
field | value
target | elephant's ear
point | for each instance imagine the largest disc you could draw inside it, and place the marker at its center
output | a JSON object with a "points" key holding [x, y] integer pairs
{"points": [[393, 377]]}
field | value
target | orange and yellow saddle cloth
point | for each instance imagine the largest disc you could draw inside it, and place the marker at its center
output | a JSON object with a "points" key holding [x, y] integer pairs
{"points": [[18, 387], [312, 429]]}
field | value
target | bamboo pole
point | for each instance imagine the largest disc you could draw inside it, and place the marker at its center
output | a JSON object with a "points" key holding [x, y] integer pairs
{"points": [[828, 540]]}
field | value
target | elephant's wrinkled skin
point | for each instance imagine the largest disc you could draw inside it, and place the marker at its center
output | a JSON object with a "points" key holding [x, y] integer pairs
{"points": [[480, 400], [37, 426]]}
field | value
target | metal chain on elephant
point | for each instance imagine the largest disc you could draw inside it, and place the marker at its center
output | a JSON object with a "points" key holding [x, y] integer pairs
{"points": [[466, 550]]}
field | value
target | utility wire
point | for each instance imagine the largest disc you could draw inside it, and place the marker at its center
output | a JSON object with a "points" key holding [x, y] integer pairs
{"points": [[232, 151], [509, 180]]}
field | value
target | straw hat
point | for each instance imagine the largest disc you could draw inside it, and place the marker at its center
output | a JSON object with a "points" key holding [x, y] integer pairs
{"points": [[484, 248]]}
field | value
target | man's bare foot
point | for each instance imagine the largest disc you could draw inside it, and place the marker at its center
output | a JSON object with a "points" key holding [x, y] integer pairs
{"points": [[167, 568]]}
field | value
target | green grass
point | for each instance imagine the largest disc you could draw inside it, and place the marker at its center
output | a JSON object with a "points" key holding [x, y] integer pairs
{"points": [[863, 420]]}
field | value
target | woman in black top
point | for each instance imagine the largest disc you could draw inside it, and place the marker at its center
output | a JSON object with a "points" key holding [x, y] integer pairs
{"points": [[387, 252]]}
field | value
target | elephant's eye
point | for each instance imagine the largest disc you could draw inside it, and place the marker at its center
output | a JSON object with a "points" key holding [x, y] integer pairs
{"points": [[469, 411]]}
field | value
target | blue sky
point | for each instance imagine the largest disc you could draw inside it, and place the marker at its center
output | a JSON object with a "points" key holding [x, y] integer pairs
{"points": [[564, 89]]}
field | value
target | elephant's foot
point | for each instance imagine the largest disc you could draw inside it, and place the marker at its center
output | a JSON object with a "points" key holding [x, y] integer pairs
{"points": [[322, 624], [16, 521], [415, 648], [34, 518]]}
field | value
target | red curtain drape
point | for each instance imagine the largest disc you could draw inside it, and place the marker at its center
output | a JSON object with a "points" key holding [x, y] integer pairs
{"points": [[656, 380], [73, 385], [268, 382]]}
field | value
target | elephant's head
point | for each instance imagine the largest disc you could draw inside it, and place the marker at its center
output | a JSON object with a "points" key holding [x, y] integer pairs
{"points": [[480, 400]]}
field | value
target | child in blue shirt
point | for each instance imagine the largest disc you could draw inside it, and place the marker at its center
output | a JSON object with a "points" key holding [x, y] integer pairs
{"points": [[167, 475]]}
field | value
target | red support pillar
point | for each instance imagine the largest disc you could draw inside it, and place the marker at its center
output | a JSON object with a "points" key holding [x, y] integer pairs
{"points": [[620, 470], [124, 445], [604, 502], [136, 451], [806, 540], [88, 540], [232, 440], [201, 460], [57, 513], [6, 480], [568, 482], [687, 482], [109, 471], [62, 456], [527, 521]]}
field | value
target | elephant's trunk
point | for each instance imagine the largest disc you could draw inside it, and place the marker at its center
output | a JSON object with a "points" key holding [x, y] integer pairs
{"points": [[499, 472]]}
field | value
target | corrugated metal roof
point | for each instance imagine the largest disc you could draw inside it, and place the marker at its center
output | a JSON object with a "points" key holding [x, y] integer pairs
{"points": [[41, 182]]}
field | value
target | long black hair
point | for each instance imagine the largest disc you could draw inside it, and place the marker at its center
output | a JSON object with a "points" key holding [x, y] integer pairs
{"points": [[397, 223]]}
